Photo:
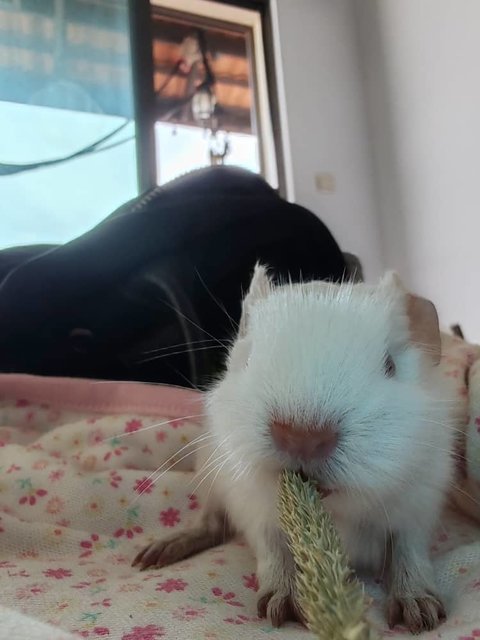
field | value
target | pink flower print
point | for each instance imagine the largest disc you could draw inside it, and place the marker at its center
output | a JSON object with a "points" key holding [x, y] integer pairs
{"points": [[228, 597], [188, 613], [13, 467], [117, 449], [6, 564], [54, 505], [63, 523], [475, 633], [31, 591], [32, 494], [91, 545], [172, 584], [146, 449], [81, 585], [160, 436], [129, 588], [39, 465], [58, 574], [145, 485], [131, 527], [21, 574], [95, 437], [150, 632], [58, 474], [170, 517], [115, 479], [133, 425], [239, 619], [27, 554], [106, 602], [251, 582], [101, 631], [193, 502], [129, 532], [37, 446]]}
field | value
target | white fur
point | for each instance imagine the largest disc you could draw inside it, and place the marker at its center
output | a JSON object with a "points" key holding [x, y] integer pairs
{"points": [[315, 353]]}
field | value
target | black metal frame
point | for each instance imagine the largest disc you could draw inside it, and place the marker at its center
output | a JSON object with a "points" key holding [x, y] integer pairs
{"points": [[143, 92], [144, 96]]}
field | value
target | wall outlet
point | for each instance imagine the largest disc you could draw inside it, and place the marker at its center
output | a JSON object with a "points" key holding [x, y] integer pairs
{"points": [[325, 182]]}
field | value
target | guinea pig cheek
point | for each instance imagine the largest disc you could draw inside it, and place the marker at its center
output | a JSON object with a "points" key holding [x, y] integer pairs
{"points": [[304, 443]]}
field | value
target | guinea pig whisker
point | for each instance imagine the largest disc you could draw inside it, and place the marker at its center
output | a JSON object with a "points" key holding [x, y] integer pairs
{"points": [[241, 469], [176, 353], [452, 452], [133, 382], [212, 454], [219, 469], [179, 345], [163, 471], [220, 305], [194, 324], [154, 426], [246, 470], [219, 466], [465, 493], [199, 439], [211, 464], [157, 474], [445, 425]]}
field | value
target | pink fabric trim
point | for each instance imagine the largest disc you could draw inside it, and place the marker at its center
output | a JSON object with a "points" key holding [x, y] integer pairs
{"points": [[102, 396]]}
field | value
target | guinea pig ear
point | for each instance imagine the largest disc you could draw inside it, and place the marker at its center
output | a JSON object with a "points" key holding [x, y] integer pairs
{"points": [[422, 316], [391, 280], [260, 287], [424, 326]]}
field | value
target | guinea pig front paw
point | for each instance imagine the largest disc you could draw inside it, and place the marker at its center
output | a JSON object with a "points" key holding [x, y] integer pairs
{"points": [[279, 607], [173, 549], [418, 612], [162, 553]]}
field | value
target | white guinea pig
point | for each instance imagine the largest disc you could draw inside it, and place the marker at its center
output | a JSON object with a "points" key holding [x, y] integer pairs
{"points": [[338, 382]]}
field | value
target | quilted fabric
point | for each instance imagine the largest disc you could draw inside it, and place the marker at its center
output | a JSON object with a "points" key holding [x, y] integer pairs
{"points": [[78, 501]]}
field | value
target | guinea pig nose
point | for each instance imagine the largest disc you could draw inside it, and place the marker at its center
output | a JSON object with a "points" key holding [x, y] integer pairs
{"points": [[305, 442]]}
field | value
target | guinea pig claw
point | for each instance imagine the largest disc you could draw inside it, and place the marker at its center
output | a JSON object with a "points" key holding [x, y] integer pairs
{"points": [[279, 607], [157, 554], [418, 613]]}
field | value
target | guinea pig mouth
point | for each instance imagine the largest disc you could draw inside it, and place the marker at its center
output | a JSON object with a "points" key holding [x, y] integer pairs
{"points": [[323, 491]]}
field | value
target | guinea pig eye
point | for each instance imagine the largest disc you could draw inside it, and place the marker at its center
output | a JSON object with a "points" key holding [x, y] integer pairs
{"points": [[389, 366]]}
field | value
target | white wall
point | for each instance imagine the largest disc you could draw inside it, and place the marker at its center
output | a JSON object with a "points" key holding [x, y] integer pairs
{"points": [[421, 64], [325, 120]]}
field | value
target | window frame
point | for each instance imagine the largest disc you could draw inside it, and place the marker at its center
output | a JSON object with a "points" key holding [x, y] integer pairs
{"points": [[253, 14]]}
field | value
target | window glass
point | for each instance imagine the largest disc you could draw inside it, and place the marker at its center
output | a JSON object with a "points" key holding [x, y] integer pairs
{"points": [[65, 83]]}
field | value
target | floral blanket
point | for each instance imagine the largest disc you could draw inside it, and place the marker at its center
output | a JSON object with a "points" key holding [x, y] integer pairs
{"points": [[78, 501]]}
